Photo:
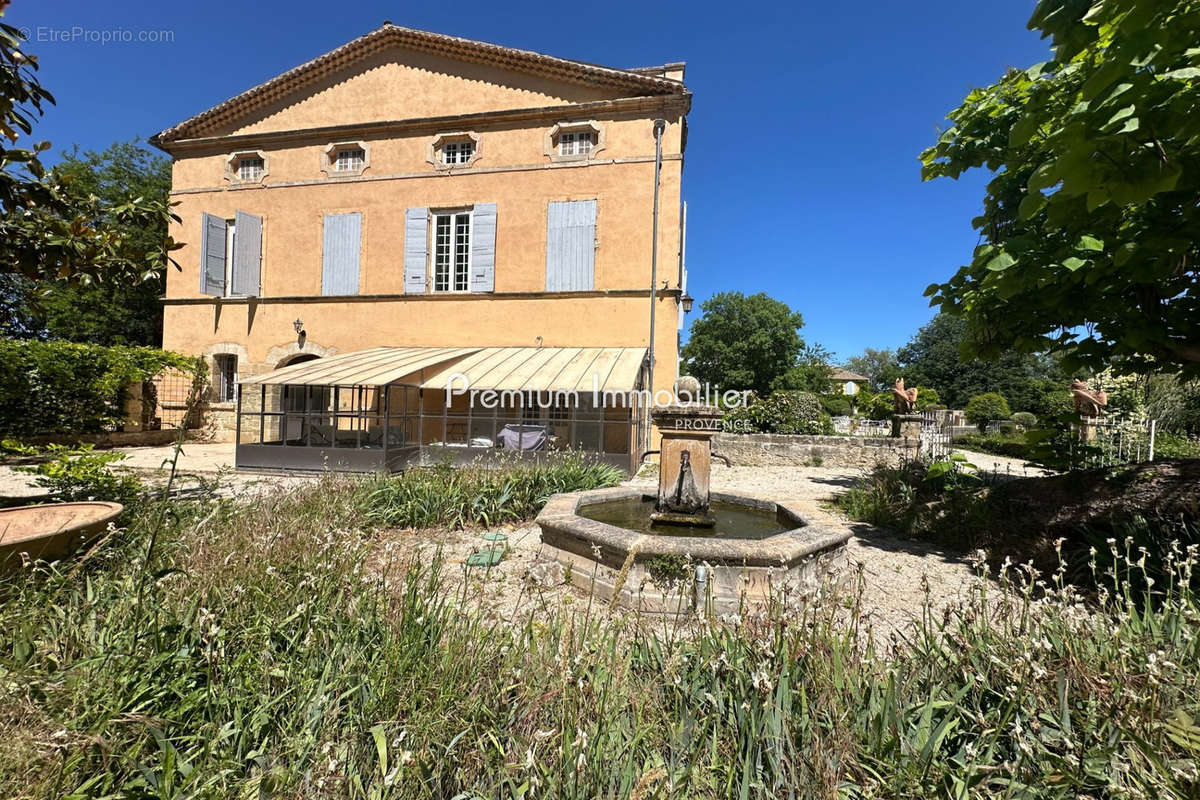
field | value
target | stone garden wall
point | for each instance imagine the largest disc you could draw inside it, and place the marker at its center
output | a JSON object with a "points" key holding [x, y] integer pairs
{"points": [[772, 449]]}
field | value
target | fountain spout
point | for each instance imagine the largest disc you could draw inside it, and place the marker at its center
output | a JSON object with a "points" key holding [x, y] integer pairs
{"points": [[685, 457]]}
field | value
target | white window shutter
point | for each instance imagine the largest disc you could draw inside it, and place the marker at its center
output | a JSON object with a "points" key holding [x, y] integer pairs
{"points": [[247, 254], [483, 248], [341, 253], [212, 255], [571, 246], [416, 249]]}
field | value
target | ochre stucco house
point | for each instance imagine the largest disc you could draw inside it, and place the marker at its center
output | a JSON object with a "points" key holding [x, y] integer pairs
{"points": [[411, 207]]}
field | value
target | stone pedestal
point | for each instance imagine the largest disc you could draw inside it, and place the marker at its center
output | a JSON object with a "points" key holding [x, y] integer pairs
{"points": [[907, 426], [684, 462]]}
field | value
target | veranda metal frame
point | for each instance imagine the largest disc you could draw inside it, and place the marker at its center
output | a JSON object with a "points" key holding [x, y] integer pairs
{"points": [[365, 428]]}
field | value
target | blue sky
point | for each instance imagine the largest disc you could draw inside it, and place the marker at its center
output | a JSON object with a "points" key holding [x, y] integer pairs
{"points": [[801, 178]]}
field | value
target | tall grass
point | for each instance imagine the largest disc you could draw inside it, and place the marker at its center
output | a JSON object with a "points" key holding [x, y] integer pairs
{"points": [[480, 495], [287, 654]]}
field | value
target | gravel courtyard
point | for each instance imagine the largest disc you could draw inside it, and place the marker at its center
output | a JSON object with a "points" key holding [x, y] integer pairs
{"points": [[896, 570]]}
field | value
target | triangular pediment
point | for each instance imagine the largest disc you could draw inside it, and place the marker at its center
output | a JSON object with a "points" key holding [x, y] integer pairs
{"points": [[396, 73]]}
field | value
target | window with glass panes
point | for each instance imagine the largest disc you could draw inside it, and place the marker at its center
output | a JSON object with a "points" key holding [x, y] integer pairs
{"points": [[451, 251], [224, 377], [250, 168], [457, 152], [575, 143], [349, 159]]}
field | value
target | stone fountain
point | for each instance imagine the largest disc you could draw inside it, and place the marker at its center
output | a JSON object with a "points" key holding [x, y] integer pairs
{"points": [[686, 548]]}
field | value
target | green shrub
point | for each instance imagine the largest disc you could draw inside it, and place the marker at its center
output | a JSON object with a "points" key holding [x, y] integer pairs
{"points": [[82, 473], [1025, 419], [1172, 445], [996, 443], [446, 496], [881, 406], [62, 387], [783, 412], [1052, 405], [926, 397], [837, 405], [984, 408]]}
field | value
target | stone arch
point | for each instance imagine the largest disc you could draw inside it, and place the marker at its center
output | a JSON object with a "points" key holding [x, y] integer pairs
{"points": [[280, 355]]}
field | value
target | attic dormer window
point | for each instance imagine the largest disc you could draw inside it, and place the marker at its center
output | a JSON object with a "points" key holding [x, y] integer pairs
{"points": [[454, 150], [346, 159], [247, 167], [350, 159], [576, 143], [250, 168], [457, 152]]}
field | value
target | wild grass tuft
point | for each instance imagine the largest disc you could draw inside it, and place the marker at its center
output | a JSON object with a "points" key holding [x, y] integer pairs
{"points": [[284, 652], [480, 495]]}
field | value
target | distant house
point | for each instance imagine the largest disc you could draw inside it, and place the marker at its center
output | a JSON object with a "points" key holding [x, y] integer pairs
{"points": [[846, 381]]}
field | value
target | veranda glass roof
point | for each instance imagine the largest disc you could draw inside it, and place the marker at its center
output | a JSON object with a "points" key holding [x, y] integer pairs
{"points": [[533, 369]]}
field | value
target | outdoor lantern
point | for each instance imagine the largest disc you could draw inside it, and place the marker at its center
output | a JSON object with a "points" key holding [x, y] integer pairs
{"points": [[687, 301], [299, 326]]}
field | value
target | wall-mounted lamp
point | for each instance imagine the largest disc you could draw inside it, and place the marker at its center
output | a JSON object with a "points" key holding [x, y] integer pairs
{"points": [[299, 326], [687, 301]]}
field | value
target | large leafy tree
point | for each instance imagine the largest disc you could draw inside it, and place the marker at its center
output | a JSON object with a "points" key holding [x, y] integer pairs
{"points": [[933, 359], [1090, 231], [110, 312], [743, 342], [48, 232], [879, 367]]}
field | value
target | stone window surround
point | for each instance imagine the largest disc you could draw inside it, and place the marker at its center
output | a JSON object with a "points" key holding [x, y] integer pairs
{"points": [[562, 127], [234, 349], [329, 159], [433, 150], [231, 162]]}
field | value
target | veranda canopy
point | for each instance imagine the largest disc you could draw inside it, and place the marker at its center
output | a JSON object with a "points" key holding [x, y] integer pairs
{"points": [[530, 369]]}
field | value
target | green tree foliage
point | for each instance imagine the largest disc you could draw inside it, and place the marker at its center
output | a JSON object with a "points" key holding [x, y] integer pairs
{"points": [[933, 358], [811, 372], [99, 313], [49, 232], [1090, 221], [984, 408], [743, 342], [880, 368], [60, 387]]}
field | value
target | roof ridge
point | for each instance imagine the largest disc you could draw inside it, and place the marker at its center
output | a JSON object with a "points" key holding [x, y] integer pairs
{"points": [[487, 52]]}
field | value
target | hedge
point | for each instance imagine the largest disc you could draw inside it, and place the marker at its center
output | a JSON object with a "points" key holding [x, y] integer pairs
{"points": [[63, 387], [783, 412]]}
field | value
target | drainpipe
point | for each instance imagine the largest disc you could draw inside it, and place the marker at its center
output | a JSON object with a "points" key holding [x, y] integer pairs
{"points": [[660, 125]]}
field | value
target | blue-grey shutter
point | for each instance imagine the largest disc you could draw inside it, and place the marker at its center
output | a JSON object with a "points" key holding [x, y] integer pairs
{"points": [[247, 254], [340, 256], [416, 249], [571, 246], [212, 255], [483, 247]]}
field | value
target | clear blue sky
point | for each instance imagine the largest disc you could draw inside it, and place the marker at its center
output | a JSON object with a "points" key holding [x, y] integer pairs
{"points": [[826, 212]]}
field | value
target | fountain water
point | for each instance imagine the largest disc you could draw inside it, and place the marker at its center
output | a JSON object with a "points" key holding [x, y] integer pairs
{"points": [[685, 547]]}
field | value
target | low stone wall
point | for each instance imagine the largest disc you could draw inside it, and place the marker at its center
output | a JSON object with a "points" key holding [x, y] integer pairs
{"points": [[852, 452]]}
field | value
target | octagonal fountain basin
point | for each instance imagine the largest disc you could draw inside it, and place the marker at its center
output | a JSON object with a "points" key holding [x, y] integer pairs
{"points": [[51, 531], [757, 552]]}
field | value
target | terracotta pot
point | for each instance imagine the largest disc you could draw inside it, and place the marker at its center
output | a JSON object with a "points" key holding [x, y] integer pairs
{"points": [[52, 531]]}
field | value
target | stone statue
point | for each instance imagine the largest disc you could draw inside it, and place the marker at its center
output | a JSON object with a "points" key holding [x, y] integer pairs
{"points": [[1087, 403], [905, 399]]}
